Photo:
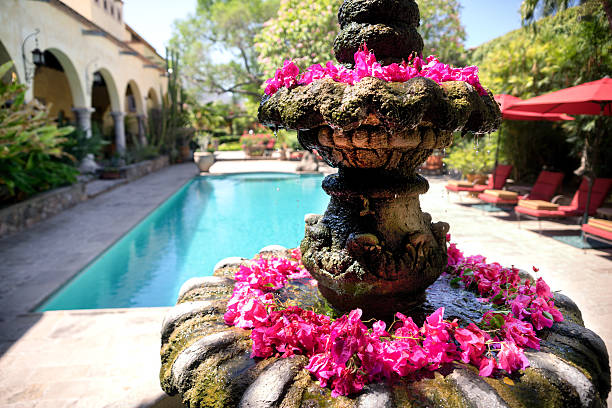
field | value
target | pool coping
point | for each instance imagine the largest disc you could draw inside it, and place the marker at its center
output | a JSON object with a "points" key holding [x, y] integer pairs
{"points": [[73, 228]]}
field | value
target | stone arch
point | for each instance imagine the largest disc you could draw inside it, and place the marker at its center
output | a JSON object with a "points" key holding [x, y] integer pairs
{"points": [[134, 114], [5, 57], [152, 99], [76, 90], [105, 100], [133, 98], [113, 91]]}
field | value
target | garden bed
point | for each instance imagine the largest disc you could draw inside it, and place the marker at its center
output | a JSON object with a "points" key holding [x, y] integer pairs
{"points": [[23, 215], [20, 216]]}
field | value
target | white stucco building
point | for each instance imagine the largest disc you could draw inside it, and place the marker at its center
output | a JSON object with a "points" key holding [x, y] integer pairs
{"points": [[96, 68]]}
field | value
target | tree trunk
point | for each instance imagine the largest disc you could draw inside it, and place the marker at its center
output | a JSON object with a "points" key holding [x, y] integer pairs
{"points": [[606, 4]]}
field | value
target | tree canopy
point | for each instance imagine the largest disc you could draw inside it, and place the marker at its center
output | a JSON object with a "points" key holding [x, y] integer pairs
{"points": [[442, 31], [569, 48], [217, 46], [304, 30]]}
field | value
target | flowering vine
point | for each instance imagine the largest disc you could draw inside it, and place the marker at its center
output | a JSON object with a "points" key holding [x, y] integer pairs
{"points": [[366, 65], [345, 354]]}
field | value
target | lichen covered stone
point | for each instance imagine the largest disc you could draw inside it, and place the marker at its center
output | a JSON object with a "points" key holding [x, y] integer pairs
{"points": [[379, 11], [389, 42], [211, 365], [398, 107]]}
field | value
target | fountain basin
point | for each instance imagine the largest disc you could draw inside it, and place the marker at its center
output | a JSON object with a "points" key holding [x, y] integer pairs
{"points": [[209, 364]]}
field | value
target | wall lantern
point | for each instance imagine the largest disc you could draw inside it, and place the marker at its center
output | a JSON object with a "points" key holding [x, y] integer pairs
{"points": [[37, 59]]}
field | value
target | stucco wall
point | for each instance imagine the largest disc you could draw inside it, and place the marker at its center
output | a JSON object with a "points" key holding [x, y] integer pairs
{"points": [[79, 54], [51, 88]]}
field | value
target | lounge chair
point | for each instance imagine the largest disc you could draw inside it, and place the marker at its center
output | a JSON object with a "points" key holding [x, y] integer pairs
{"points": [[541, 210], [546, 185], [600, 230], [502, 172]]}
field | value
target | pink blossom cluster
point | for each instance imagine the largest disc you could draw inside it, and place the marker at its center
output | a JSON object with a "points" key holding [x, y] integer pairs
{"points": [[345, 354], [251, 299], [503, 287], [366, 66]]}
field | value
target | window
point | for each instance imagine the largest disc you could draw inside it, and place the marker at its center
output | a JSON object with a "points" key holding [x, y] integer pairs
{"points": [[118, 15], [105, 5], [112, 10]]}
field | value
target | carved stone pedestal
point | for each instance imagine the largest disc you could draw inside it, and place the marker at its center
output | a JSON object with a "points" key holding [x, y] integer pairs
{"points": [[374, 248]]}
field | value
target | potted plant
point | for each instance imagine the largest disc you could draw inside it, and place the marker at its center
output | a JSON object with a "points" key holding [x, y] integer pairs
{"points": [[113, 169], [203, 158], [254, 144], [472, 158]]}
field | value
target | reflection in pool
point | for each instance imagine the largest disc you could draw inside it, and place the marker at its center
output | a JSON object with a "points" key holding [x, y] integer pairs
{"points": [[210, 218]]}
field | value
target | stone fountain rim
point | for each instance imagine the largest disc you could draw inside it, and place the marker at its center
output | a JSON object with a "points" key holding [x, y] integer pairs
{"points": [[452, 105]]}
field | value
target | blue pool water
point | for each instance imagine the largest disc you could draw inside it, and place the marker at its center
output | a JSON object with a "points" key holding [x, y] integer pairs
{"points": [[209, 219]]}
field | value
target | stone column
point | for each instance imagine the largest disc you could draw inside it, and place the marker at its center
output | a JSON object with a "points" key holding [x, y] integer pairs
{"points": [[118, 118], [141, 129], [83, 119]]}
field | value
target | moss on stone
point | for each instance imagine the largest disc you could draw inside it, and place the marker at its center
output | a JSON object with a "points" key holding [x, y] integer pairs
{"points": [[293, 396], [429, 392], [379, 11], [226, 272], [184, 336], [390, 41], [316, 397], [220, 381], [220, 293], [532, 389], [452, 106]]}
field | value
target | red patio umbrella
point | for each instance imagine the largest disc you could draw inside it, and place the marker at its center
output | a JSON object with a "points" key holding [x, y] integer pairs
{"points": [[506, 103], [591, 98]]}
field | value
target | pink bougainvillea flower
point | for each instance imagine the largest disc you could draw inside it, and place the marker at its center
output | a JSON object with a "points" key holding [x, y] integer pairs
{"points": [[486, 366], [345, 354], [365, 65], [472, 341], [511, 357], [519, 332]]}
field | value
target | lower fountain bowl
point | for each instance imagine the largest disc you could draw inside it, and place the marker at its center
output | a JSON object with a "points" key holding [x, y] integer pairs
{"points": [[209, 364]]}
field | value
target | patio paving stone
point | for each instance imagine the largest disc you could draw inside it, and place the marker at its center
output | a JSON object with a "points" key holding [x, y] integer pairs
{"points": [[110, 358]]}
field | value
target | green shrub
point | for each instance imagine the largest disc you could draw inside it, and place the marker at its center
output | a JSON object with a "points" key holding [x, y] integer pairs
{"points": [[30, 146], [469, 155], [231, 146], [78, 145]]}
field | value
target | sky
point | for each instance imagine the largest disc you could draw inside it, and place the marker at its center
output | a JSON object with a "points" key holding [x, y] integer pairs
{"points": [[483, 19]]}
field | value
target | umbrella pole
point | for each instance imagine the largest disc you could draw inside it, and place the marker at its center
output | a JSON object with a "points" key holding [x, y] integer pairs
{"points": [[585, 218], [497, 151]]}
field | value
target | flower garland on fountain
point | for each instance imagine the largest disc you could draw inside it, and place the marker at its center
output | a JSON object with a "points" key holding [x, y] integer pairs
{"points": [[366, 66], [345, 354]]}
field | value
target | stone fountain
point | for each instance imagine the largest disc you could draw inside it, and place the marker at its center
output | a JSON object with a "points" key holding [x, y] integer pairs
{"points": [[373, 248]]}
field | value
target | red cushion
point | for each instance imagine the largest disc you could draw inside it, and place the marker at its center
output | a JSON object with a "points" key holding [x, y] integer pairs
{"points": [[589, 229], [540, 213], [502, 172], [601, 187], [495, 200], [546, 185], [452, 187]]}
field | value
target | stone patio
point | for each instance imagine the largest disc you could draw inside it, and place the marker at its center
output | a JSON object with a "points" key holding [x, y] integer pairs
{"points": [[110, 358]]}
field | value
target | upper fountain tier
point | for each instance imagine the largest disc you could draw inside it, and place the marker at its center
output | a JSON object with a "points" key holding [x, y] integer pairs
{"points": [[389, 30], [388, 27]]}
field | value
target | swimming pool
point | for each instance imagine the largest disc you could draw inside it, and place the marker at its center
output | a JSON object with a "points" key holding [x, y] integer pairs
{"points": [[210, 218]]}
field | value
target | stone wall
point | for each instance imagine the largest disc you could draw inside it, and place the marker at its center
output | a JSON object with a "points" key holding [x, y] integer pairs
{"points": [[137, 170], [22, 215]]}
